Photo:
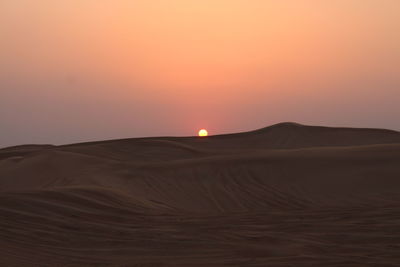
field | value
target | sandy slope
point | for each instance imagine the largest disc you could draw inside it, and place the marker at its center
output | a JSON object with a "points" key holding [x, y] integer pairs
{"points": [[285, 195]]}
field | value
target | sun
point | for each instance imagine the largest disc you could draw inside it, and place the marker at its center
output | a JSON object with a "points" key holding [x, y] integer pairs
{"points": [[203, 132]]}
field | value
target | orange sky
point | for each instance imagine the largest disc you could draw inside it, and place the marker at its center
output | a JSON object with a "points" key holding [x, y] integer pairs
{"points": [[82, 70]]}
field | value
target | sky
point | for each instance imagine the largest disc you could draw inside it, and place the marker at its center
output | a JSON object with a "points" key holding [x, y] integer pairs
{"points": [[83, 70]]}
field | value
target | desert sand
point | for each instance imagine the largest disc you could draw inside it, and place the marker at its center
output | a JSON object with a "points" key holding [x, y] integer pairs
{"points": [[284, 195]]}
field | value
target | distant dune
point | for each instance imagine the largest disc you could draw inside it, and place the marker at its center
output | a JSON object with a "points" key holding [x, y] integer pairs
{"points": [[284, 195]]}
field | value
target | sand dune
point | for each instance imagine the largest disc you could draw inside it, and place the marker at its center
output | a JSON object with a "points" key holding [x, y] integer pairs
{"points": [[284, 195]]}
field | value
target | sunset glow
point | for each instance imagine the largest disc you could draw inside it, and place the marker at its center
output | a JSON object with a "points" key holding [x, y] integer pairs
{"points": [[203, 132], [233, 65]]}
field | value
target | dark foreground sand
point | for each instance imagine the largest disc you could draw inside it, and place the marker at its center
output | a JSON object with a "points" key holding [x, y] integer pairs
{"points": [[285, 195]]}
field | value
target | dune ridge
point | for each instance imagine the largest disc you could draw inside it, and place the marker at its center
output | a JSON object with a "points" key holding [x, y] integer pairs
{"points": [[278, 196]]}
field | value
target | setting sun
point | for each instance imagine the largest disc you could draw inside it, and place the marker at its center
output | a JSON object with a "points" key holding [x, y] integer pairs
{"points": [[203, 132]]}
